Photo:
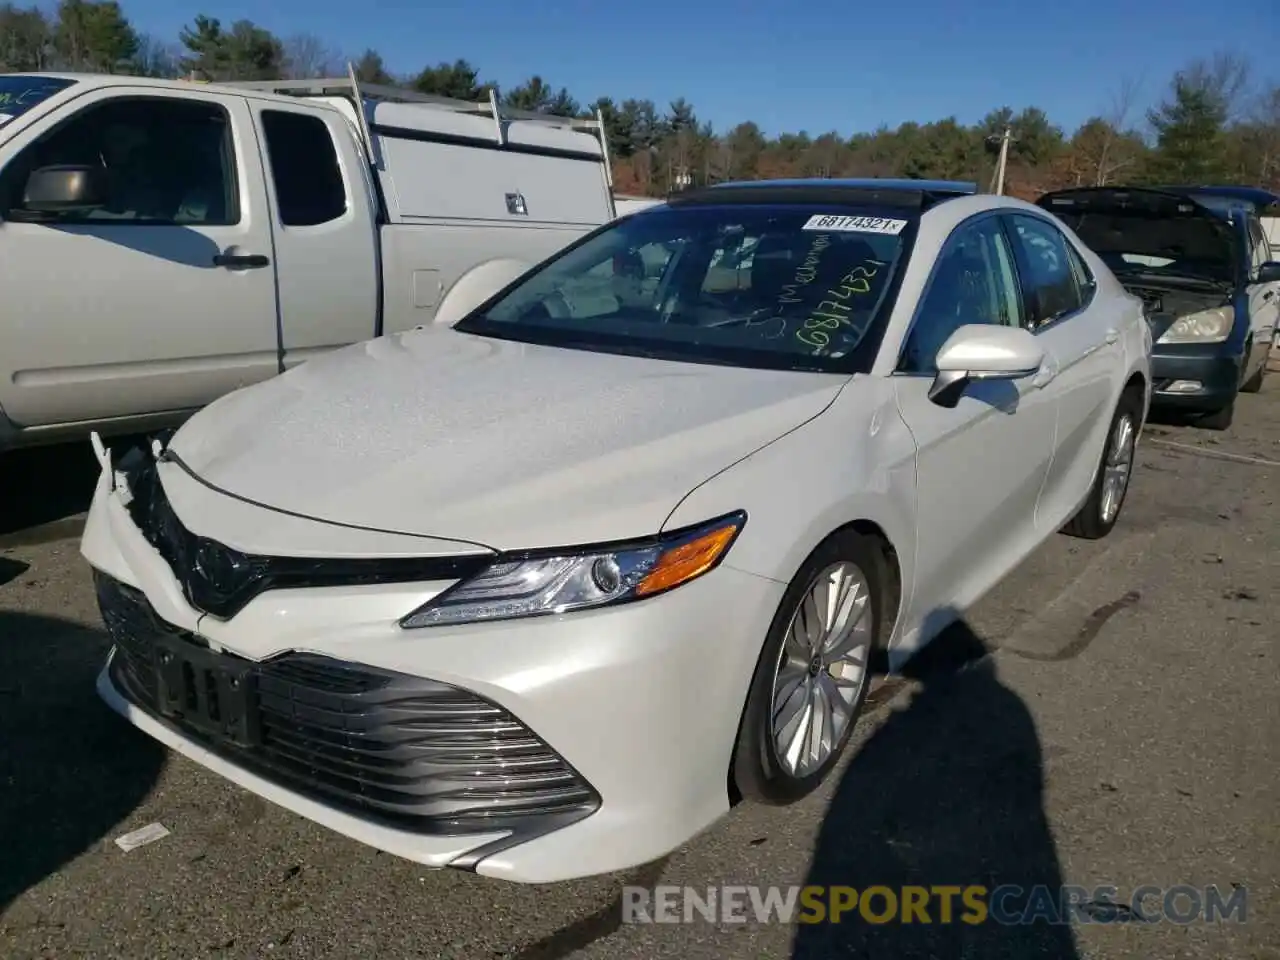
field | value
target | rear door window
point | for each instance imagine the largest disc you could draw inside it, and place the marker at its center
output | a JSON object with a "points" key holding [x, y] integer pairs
{"points": [[304, 168]]}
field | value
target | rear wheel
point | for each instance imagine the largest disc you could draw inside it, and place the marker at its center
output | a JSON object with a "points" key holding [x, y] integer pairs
{"points": [[813, 675], [1111, 484]]}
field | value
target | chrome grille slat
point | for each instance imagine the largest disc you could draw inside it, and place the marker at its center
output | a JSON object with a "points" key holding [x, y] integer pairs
{"points": [[412, 753]]}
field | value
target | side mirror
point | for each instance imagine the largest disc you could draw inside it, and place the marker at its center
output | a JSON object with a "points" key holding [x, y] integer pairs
{"points": [[476, 286], [63, 189], [982, 351], [1269, 272]]}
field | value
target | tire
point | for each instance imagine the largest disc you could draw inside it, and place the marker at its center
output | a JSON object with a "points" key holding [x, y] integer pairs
{"points": [[1219, 419], [1254, 383], [760, 770], [1102, 509]]}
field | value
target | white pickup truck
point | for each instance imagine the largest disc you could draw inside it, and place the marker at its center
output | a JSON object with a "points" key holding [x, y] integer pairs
{"points": [[163, 243]]}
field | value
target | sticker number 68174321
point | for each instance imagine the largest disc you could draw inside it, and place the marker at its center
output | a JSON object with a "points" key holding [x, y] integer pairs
{"points": [[841, 224]]}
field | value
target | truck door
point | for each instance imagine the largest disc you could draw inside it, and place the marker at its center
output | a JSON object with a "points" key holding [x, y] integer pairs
{"points": [[323, 219], [163, 299]]}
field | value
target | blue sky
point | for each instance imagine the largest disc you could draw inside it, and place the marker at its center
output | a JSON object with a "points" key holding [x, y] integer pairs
{"points": [[814, 65]]}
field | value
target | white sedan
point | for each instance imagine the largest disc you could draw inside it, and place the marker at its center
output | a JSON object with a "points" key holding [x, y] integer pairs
{"points": [[542, 593]]}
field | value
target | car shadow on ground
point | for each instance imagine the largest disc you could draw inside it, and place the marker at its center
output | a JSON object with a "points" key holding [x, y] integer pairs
{"points": [[45, 484], [46, 488], [948, 791], [70, 769]]}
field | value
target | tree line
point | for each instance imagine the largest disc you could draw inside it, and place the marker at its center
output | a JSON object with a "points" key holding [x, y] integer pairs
{"points": [[1214, 123]]}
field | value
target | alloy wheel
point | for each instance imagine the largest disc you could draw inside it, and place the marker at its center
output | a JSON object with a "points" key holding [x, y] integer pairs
{"points": [[822, 669], [1118, 467]]}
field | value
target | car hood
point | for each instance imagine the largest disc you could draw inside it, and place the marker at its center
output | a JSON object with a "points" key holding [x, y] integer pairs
{"points": [[1153, 223], [504, 444]]}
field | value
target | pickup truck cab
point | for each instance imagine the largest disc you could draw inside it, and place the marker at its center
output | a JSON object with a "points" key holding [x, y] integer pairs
{"points": [[163, 242]]}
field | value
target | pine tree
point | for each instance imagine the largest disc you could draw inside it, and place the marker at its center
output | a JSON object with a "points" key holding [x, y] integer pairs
{"points": [[1189, 134]]}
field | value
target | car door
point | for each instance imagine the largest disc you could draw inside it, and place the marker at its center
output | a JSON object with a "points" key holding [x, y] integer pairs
{"points": [[1083, 337], [1264, 298], [979, 466], [323, 220], [133, 308]]}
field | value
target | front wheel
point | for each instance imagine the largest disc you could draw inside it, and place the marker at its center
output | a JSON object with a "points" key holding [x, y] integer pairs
{"points": [[814, 672], [1111, 484], [1220, 419]]}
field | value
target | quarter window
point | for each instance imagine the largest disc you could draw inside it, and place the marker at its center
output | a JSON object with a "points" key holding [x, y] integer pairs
{"points": [[304, 169], [1051, 279], [167, 161], [974, 281]]}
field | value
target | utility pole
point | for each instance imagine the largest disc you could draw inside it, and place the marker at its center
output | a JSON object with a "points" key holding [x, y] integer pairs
{"points": [[1006, 138]]}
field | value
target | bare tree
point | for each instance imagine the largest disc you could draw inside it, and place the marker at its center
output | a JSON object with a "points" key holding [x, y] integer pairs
{"points": [[1264, 125], [1225, 76], [307, 57], [1117, 117], [156, 58]]}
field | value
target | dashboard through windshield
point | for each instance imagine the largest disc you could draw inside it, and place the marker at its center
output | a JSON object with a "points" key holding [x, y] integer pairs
{"points": [[773, 286]]}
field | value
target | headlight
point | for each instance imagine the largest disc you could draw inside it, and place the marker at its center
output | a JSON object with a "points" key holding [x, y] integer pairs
{"points": [[564, 580], [1207, 326]]}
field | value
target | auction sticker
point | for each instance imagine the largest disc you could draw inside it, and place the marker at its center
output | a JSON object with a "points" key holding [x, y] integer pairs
{"points": [[855, 224]]}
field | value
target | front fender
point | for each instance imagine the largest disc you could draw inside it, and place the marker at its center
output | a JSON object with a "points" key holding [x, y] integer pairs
{"points": [[854, 462]]}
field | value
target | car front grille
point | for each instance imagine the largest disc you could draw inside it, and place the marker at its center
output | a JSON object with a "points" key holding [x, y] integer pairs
{"points": [[414, 754], [220, 581]]}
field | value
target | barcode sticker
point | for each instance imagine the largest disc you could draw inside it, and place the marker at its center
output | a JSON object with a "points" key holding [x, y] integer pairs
{"points": [[841, 224]]}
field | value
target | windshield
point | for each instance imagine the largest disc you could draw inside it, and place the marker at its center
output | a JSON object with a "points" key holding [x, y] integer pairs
{"points": [[1185, 246], [767, 286], [1223, 205], [19, 94]]}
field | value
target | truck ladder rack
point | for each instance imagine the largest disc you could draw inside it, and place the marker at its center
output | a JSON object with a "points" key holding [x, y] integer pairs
{"points": [[358, 92], [345, 86]]}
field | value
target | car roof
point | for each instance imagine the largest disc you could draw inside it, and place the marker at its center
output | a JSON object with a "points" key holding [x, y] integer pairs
{"points": [[1253, 196], [99, 80], [912, 194]]}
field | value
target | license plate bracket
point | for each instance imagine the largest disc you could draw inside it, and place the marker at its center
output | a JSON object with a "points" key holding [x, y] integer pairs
{"points": [[213, 693]]}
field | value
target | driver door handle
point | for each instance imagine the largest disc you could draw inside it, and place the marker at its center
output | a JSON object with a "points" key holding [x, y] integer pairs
{"points": [[1268, 295], [1112, 336], [241, 261]]}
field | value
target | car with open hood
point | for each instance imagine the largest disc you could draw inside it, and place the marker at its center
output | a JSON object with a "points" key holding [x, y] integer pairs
{"points": [[1201, 263], [542, 589]]}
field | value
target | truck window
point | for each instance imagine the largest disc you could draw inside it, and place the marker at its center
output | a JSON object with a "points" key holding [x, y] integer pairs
{"points": [[168, 161], [304, 169]]}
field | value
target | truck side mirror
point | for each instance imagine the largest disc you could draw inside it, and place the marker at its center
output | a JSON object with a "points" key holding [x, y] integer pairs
{"points": [[63, 189]]}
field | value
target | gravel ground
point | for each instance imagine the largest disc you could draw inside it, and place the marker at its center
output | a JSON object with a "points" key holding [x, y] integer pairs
{"points": [[1109, 715]]}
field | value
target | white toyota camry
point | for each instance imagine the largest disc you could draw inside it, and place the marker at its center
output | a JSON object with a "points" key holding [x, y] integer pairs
{"points": [[541, 593]]}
